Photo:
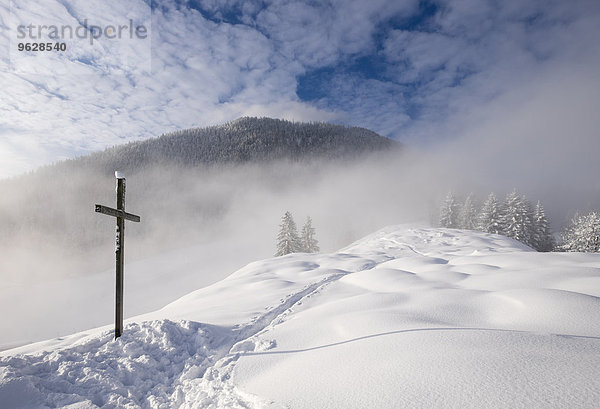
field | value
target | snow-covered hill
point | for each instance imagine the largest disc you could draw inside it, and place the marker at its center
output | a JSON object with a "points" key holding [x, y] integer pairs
{"points": [[404, 318], [243, 140]]}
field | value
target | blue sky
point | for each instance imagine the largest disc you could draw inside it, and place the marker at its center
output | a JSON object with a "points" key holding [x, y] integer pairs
{"points": [[466, 72]]}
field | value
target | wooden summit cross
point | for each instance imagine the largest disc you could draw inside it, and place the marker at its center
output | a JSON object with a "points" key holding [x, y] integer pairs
{"points": [[121, 216]]}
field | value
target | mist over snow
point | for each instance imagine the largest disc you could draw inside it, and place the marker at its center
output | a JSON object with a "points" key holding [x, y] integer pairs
{"points": [[201, 224], [211, 201], [62, 252]]}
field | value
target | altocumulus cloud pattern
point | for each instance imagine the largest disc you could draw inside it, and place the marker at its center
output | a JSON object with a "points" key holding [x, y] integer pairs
{"points": [[414, 70]]}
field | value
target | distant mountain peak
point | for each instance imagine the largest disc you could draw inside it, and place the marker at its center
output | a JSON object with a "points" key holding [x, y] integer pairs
{"points": [[245, 139]]}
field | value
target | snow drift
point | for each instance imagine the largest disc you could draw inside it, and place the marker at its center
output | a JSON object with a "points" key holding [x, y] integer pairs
{"points": [[406, 317]]}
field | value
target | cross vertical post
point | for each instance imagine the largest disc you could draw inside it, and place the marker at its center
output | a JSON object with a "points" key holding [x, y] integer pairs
{"points": [[121, 216], [119, 255]]}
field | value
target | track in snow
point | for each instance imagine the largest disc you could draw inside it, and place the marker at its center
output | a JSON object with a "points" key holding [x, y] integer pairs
{"points": [[155, 364]]}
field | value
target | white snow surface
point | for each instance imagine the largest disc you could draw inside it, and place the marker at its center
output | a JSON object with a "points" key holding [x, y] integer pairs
{"points": [[404, 318]]}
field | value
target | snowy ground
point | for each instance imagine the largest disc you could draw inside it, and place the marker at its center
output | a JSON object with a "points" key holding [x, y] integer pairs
{"points": [[404, 318], [73, 304]]}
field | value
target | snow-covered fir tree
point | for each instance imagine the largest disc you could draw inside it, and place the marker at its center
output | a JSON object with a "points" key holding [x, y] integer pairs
{"points": [[309, 241], [542, 238], [517, 218], [449, 212], [488, 220], [583, 234], [467, 214], [287, 239]]}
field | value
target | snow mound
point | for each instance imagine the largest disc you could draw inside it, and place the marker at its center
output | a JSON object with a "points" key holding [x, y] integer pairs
{"points": [[155, 364], [406, 318]]}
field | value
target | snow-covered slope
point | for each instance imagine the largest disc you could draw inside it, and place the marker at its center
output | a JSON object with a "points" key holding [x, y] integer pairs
{"points": [[404, 318], [73, 304]]}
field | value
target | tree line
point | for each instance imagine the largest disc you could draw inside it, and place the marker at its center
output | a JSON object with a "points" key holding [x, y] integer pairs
{"points": [[515, 217]]}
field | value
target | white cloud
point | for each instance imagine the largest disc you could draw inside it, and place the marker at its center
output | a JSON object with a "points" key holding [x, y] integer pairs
{"points": [[318, 34], [201, 73], [440, 81], [473, 52]]}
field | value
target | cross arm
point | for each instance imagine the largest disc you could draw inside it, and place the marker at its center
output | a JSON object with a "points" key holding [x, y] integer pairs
{"points": [[116, 213]]}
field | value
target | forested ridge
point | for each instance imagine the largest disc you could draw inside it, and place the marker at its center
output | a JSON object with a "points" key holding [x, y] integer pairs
{"points": [[243, 140]]}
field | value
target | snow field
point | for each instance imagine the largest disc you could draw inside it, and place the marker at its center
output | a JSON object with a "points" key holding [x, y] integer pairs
{"points": [[78, 303], [404, 318], [421, 331]]}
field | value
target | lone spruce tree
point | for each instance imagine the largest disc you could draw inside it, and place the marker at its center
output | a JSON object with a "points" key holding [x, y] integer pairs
{"points": [[449, 212], [489, 216], [517, 218], [309, 242], [542, 238], [467, 214], [287, 239]]}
